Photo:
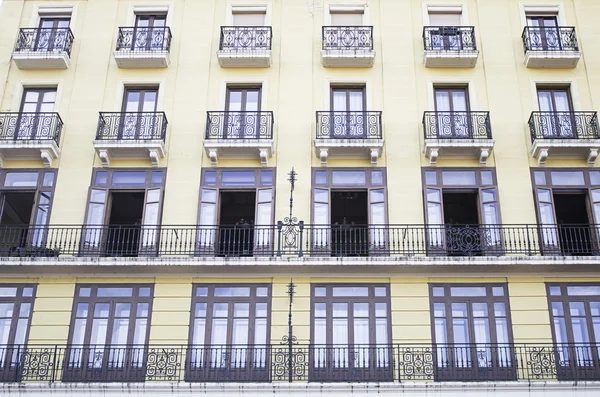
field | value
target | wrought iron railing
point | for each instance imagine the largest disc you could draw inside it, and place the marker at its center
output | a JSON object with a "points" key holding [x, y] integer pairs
{"points": [[144, 39], [457, 125], [245, 38], [347, 37], [560, 38], [349, 125], [449, 38], [314, 363], [299, 239], [564, 125], [239, 125], [124, 126], [30, 126], [45, 40]]}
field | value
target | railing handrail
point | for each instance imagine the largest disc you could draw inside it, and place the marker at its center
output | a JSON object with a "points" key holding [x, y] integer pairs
{"points": [[126, 41], [247, 124], [28, 39], [349, 124], [116, 129], [466, 124], [564, 125], [362, 38], [563, 42], [147, 27], [39, 126], [254, 37]]}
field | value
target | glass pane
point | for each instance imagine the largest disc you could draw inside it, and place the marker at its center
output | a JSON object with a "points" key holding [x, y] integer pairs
{"points": [[544, 196], [21, 179], [201, 291], [200, 310], [459, 310], [241, 309], [458, 178], [129, 178], [122, 309], [361, 310], [595, 309], [467, 291], [208, 214], [438, 291], [499, 309], [156, 178], [321, 213], [592, 290], [85, 291], [151, 216], [431, 178], [486, 178], [261, 310], [540, 177], [480, 310], [321, 195], [349, 178], [380, 309], [340, 309], [567, 178], [439, 310], [377, 178], [557, 309], [262, 291], [350, 291], [321, 178], [8, 291], [101, 309], [576, 309], [320, 310], [488, 195], [376, 195], [48, 179], [27, 291], [210, 178], [232, 291], [380, 291], [266, 178], [238, 178], [554, 290], [320, 291], [498, 291], [153, 195], [100, 180], [220, 309], [580, 331], [434, 196], [209, 195], [98, 196], [145, 291], [114, 291], [142, 310], [6, 309], [595, 177], [265, 195]]}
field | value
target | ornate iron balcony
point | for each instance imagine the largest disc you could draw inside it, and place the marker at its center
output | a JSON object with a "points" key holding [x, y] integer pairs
{"points": [[144, 39], [457, 125], [45, 40], [349, 125], [124, 126], [314, 363], [348, 38], [245, 38], [560, 38], [298, 239], [239, 125], [564, 125], [449, 38], [30, 127]]}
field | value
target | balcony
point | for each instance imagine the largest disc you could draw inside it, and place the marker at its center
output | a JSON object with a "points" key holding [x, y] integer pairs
{"points": [[143, 47], [348, 47], [299, 240], [43, 48], [518, 363], [239, 135], [245, 47], [450, 47], [457, 135], [131, 135], [564, 134], [550, 47], [30, 136], [349, 135]]}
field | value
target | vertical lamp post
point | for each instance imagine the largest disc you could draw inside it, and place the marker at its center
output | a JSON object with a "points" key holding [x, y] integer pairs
{"points": [[290, 338]]}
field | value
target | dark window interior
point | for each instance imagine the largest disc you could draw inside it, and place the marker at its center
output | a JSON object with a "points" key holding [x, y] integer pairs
{"points": [[236, 223], [461, 210], [349, 218], [124, 223], [17, 208], [571, 212]]}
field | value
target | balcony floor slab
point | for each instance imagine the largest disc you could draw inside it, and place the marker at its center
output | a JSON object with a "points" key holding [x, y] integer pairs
{"points": [[450, 59], [552, 59], [348, 58], [142, 59], [42, 59]]}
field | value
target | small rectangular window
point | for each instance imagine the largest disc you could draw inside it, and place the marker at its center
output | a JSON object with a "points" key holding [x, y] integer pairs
{"points": [[248, 16], [353, 17]]}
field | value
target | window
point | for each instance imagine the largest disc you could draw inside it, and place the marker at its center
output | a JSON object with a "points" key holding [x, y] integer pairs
{"points": [[348, 105], [229, 333], [16, 307], [248, 16], [35, 118], [347, 17], [109, 332], [53, 33], [568, 203], [452, 111], [236, 212], [575, 315], [149, 32], [349, 212], [472, 332], [544, 33], [139, 119], [557, 118], [350, 333], [242, 110], [124, 212], [462, 211], [25, 204], [446, 34]]}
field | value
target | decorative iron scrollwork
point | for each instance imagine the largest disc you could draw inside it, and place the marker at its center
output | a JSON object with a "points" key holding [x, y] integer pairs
{"points": [[45, 40], [163, 364], [148, 39], [245, 38], [132, 126]]}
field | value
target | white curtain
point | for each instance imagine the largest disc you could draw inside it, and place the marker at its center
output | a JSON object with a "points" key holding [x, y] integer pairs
{"points": [[547, 220], [442, 106]]}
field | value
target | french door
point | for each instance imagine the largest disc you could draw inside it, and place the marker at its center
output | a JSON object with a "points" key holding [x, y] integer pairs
{"points": [[452, 112], [109, 332], [242, 113], [52, 35], [348, 119], [149, 32], [447, 36], [546, 35], [35, 120], [557, 119], [139, 120]]}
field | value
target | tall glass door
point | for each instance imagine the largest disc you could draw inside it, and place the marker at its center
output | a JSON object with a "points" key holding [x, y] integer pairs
{"points": [[52, 34], [348, 113], [242, 113], [149, 32], [557, 113], [453, 119], [35, 120], [545, 34], [139, 118]]}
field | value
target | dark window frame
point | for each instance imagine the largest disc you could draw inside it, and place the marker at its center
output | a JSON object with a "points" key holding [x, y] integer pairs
{"points": [[142, 89], [243, 89], [41, 91], [348, 88], [450, 89], [574, 361], [473, 371]]}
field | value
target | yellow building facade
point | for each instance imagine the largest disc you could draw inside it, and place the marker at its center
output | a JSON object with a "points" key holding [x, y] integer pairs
{"points": [[297, 196]]}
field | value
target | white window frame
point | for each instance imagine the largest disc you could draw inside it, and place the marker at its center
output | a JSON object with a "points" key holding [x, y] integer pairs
{"points": [[248, 6], [450, 7], [345, 7]]}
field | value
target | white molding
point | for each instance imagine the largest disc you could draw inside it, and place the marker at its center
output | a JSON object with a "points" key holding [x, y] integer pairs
{"points": [[451, 5]]}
